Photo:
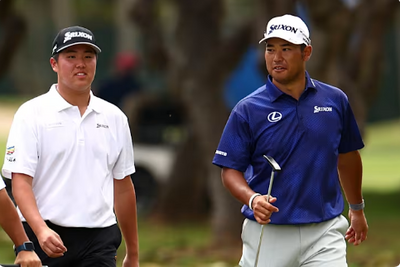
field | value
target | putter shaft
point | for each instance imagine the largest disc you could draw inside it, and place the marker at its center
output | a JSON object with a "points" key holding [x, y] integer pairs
{"points": [[271, 181]]}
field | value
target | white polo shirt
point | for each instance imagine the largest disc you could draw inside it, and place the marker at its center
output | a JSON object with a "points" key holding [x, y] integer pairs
{"points": [[72, 158], [2, 184]]}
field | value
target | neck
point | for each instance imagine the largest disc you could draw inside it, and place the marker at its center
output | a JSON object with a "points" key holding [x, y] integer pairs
{"points": [[294, 88]]}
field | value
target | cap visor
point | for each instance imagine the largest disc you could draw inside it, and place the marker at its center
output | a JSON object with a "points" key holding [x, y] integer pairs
{"points": [[286, 38], [98, 50], [262, 40]]}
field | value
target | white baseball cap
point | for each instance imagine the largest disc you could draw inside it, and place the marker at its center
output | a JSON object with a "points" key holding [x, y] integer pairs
{"points": [[289, 28]]}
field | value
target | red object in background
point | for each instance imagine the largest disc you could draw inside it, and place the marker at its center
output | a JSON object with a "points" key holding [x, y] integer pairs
{"points": [[126, 61]]}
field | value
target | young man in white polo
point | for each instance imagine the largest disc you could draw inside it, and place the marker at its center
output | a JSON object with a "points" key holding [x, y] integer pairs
{"points": [[73, 157], [11, 224]]}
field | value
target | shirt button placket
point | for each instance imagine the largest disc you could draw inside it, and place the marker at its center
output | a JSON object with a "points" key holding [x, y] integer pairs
{"points": [[299, 117], [81, 136]]}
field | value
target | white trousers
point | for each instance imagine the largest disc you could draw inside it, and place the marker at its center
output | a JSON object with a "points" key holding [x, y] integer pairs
{"points": [[308, 245]]}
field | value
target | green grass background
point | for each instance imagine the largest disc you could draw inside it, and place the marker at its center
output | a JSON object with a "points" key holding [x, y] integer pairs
{"points": [[186, 245]]}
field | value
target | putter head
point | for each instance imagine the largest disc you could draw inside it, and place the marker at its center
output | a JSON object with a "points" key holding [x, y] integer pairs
{"points": [[274, 165]]}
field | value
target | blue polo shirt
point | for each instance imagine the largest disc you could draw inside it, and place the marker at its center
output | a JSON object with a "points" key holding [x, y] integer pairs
{"points": [[304, 137]]}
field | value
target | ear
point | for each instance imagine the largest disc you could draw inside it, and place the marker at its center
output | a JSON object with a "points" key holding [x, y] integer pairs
{"points": [[53, 64], [307, 52]]}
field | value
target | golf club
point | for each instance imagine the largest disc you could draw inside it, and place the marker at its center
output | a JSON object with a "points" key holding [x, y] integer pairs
{"points": [[14, 265], [275, 168]]}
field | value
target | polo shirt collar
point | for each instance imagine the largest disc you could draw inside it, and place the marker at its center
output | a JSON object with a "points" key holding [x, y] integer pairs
{"points": [[57, 101], [94, 103], [310, 82], [60, 103], [275, 93]]}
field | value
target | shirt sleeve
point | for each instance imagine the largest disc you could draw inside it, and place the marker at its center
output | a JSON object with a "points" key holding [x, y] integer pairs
{"points": [[234, 149], [351, 139], [125, 162], [2, 184], [21, 154]]}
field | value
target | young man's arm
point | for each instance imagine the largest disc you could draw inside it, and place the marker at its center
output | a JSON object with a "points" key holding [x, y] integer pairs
{"points": [[49, 241], [350, 174], [235, 182], [125, 209], [10, 222]]}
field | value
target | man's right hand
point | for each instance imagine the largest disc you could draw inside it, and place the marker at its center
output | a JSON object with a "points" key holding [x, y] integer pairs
{"points": [[51, 243], [262, 209]]}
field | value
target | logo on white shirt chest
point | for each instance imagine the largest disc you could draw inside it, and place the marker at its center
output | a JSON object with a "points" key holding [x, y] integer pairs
{"points": [[99, 125]]}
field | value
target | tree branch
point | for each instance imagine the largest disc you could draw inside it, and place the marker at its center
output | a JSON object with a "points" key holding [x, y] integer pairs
{"points": [[144, 14]]}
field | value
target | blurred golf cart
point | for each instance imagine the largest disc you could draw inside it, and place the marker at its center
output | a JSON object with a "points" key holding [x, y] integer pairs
{"points": [[157, 128]]}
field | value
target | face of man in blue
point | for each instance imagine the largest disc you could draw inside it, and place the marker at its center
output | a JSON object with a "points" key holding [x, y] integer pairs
{"points": [[286, 62]]}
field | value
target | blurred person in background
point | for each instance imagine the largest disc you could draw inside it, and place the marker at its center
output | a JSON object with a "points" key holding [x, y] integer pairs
{"points": [[11, 224], [123, 82], [72, 161], [309, 128], [124, 89]]}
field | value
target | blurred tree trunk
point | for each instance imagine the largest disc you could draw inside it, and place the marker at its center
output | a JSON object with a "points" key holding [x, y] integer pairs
{"points": [[13, 27], [185, 198], [126, 33], [348, 48], [197, 65], [205, 61]]}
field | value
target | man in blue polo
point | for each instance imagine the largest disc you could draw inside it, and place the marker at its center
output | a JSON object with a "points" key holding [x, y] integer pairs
{"points": [[308, 127]]}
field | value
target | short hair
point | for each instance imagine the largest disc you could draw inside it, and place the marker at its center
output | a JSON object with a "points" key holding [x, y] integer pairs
{"points": [[55, 56]]}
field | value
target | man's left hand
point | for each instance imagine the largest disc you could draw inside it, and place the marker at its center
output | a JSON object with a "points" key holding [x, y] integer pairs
{"points": [[130, 262], [358, 229]]}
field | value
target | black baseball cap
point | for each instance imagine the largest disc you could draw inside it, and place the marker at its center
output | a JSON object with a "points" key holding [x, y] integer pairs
{"points": [[73, 36]]}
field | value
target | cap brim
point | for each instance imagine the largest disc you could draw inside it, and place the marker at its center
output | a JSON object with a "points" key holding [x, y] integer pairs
{"points": [[280, 36], [263, 39], [98, 50]]}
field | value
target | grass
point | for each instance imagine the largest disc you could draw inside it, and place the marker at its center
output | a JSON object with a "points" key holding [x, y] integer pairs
{"points": [[381, 157], [186, 245], [383, 244]]}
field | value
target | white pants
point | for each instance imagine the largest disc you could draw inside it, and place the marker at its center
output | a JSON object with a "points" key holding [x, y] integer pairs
{"points": [[309, 245]]}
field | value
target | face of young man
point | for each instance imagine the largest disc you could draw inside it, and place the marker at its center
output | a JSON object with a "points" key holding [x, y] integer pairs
{"points": [[76, 68], [285, 61]]}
